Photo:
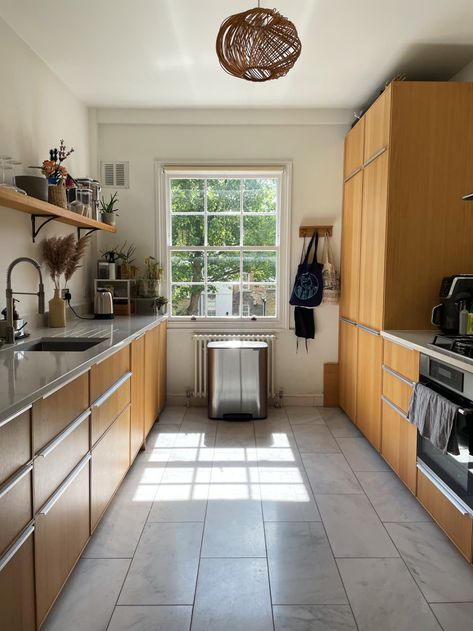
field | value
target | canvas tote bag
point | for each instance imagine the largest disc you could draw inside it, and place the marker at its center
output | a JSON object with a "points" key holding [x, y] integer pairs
{"points": [[308, 285], [331, 278]]}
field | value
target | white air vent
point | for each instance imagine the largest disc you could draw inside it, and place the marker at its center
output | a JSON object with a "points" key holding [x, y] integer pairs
{"points": [[115, 174]]}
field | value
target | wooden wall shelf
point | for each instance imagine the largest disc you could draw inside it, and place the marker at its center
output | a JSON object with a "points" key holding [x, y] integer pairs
{"points": [[48, 212], [308, 231]]}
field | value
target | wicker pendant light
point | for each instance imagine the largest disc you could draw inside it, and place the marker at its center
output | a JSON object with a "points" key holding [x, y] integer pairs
{"points": [[258, 45]]}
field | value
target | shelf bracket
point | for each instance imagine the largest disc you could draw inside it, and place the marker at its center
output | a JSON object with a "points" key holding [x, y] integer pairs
{"points": [[35, 230], [88, 232]]}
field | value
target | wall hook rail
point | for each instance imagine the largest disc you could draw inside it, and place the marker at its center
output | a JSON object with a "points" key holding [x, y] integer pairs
{"points": [[308, 231]]}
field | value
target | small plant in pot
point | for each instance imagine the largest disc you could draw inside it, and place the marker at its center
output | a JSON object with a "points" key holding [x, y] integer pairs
{"points": [[160, 303], [109, 209], [125, 257], [149, 284]]}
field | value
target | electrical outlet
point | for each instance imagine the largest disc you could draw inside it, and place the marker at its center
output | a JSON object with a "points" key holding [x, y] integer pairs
{"points": [[65, 293]]}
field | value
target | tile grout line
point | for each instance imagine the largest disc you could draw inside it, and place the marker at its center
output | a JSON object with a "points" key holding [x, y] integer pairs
{"points": [[145, 522]]}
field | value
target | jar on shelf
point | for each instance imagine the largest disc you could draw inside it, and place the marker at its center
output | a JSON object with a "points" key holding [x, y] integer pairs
{"points": [[84, 195]]}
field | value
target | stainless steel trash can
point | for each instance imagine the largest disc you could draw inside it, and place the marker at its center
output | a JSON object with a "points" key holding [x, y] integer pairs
{"points": [[237, 378]]}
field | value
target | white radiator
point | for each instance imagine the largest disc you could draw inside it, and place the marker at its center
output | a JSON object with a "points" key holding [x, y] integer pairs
{"points": [[200, 356]]}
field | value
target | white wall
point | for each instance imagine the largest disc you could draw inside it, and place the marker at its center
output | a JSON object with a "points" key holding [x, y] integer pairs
{"points": [[316, 151], [36, 111]]}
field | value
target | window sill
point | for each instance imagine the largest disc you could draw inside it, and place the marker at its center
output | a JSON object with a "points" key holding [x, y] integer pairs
{"points": [[225, 324]]}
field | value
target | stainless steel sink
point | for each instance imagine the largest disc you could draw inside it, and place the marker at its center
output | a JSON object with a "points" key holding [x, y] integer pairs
{"points": [[62, 344]]}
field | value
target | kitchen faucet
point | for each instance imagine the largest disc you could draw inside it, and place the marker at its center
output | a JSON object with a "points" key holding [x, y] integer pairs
{"points": [[10, 329]]}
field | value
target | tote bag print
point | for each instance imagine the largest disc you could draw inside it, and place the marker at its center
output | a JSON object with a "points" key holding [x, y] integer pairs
{"points": [[308, 285], [331, 278]]}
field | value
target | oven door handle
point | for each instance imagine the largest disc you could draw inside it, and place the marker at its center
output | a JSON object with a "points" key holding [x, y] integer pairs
{"points": [[459, 504]]}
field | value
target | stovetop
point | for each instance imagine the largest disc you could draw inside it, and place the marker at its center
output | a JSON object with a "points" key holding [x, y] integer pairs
{"points": [[457, 344]]}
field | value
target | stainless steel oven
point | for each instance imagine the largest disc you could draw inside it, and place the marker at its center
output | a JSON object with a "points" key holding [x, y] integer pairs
{"points": [[451, 473]]}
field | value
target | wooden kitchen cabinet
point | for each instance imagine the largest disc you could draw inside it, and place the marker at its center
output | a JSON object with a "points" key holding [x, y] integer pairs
{"points": [[399, 445], [378, 125], [108, 406], [53, 413], [15, 441], [152, 377], [351, 244], [62, 531], [354, 147], [348, 367], [368, 386], [104, 374], [163, 330], [16, 509], [110, 462], [137, 419], [401, 359], [397, 389], [17, 589], [456, 525], [373, 243]]}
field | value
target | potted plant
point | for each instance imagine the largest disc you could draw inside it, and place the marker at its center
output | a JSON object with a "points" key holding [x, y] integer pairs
{"points": [[111, 257], [62, 255], [160, 302], [125, 255], [108, 209], [149, 284]]}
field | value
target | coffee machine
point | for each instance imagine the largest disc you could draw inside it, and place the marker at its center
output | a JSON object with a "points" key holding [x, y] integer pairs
{"points": [[454, 290]]}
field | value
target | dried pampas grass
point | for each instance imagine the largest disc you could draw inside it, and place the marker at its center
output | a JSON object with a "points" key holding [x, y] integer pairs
{"points": [[62, 255]]}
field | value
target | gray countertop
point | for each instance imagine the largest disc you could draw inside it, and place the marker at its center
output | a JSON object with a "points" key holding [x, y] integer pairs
{"points": [[422, 341], [27, 375]]}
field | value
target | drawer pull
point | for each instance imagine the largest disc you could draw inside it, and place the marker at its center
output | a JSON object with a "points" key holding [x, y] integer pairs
{"points": [[352, 174], [64, 434], [347, 321], [65, 485], [394, 407], [19, 476], [10, 553], [368, 330], [393, 373], [459, 504], [108, 393], [14, 416], [374, 156]]}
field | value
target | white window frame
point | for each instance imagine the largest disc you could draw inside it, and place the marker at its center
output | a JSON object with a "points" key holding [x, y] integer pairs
{"points": [[165, 169]]}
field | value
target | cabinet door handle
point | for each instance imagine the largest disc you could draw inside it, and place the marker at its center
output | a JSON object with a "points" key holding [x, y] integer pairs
{"points": [[461, 507], [392, 372], [374, 156], [15, 415], [395, 408], [13, 549], [19, 476], [347, 321], [108, 393], [368, 330], [51, 446], [65, 485]]}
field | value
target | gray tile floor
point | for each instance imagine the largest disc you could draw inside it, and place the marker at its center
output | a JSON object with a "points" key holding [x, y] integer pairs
{"points": [[289, 524]]}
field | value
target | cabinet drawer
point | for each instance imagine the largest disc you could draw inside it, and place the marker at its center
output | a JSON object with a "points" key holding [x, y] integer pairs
{"points": [[396, 390], [137, 429], [15, 440], [377, 125], [456, 525], [15, 506], [59, 457], [402, 360], [55, 411], [107, 407], [17, 611], [399, 445], [354, 143], [62, 530], [110, 462], [107, 372]]}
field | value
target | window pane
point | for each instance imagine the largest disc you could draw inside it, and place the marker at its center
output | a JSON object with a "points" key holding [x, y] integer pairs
{"points": [[187, 300], [259, 266], [188, 230], [187, 267], [187, 196], [223, 266], [224, 230], [223, 299], [259, 300], [260, 195], [223, 195], [259, 230]]}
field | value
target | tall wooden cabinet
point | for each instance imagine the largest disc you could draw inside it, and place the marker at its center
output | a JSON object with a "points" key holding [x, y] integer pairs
{"points": [[405, 225]]}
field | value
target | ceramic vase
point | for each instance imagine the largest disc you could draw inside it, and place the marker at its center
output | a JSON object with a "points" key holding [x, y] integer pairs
{"points": [[57, 311]]}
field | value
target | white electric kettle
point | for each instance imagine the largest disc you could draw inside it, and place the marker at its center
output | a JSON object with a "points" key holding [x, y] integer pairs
{"points": [[103, 305]]}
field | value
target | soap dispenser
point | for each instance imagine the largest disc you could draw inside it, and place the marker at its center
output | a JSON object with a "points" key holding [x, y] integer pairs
{"points": [[463, 319]]}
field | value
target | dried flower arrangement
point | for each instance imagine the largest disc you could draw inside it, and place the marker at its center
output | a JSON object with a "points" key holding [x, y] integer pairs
{"points": [[63, 255], [53, 168]]}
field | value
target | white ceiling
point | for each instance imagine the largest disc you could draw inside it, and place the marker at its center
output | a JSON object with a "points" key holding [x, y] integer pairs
{"points": [[161, 53]]}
